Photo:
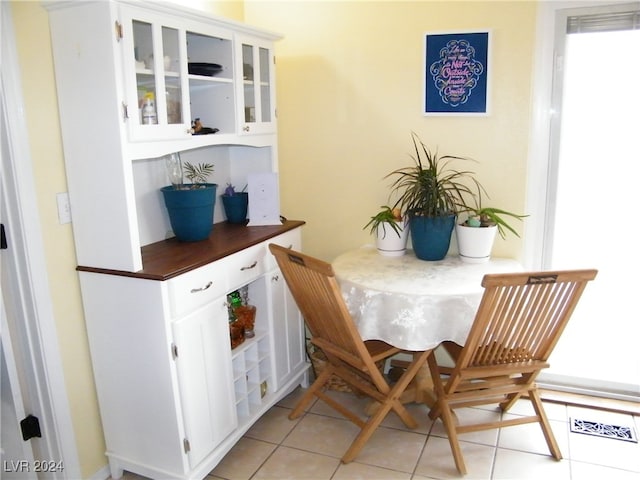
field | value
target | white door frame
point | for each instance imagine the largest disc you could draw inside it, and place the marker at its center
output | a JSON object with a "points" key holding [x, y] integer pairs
{"points": [[34, 336]]}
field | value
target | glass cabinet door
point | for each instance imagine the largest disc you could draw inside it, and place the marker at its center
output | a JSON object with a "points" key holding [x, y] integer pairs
{"points": [[145, 72], [156, 106], [154, 109], [172, 82], [257, 92]]}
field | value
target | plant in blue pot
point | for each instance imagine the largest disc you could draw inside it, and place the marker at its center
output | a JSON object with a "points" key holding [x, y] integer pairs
{"points": [[235, 204], [190, 205], [431, 191]]}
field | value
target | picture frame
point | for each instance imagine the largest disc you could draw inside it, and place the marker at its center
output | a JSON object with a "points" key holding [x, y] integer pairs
{"points": [[457, 72]]}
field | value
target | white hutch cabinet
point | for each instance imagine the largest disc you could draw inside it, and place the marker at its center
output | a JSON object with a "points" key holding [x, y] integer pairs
{"points": [[174, 396]]}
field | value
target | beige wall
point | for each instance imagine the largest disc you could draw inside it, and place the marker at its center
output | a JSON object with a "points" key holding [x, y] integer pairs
{"points": [[41, 111], [349, 94]]}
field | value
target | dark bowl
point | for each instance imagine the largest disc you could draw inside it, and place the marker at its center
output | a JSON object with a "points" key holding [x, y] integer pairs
{"points": [[206, 69]]}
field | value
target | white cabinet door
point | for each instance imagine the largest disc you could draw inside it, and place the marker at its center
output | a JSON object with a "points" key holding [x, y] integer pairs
{"points": [[203, 359], [256, 97], [287, 333]]}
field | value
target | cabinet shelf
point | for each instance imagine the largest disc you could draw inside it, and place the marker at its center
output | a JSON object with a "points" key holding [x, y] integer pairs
{"points": [[201, 80], [151, 73], [249, 344], [251, 83], [252, 374]]}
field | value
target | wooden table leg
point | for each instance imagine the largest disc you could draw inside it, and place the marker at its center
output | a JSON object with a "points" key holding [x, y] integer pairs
{"points": [[420, 389]]}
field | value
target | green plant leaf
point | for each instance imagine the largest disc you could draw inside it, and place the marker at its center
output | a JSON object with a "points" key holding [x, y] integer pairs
{"points": [[199, 173], [431, 187], [383, 219]]}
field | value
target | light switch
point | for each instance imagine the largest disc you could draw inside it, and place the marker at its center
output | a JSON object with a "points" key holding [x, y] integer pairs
{"points": [[64, 208]]}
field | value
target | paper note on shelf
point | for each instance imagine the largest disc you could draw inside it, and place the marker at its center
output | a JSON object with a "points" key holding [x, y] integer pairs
{"points": [[264, 199]]}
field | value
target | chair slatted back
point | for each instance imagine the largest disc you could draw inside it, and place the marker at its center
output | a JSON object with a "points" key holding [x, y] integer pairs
{"points": [[317, 293], [521, 317]]}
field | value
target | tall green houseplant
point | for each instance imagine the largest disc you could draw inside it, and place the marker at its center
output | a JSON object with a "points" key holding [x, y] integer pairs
{"points": [[431, 191]]}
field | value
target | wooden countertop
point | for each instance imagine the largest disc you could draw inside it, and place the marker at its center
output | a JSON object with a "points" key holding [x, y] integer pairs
{"points": [[169, 258]]}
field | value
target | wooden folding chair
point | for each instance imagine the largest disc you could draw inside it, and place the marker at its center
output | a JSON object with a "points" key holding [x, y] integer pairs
{"points": [[517, 325], [317, 293]]}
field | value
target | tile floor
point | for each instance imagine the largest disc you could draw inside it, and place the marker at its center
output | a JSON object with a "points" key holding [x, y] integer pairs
{"points": [[310, 447]]}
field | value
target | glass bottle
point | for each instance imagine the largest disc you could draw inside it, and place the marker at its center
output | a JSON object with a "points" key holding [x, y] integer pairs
{"points": [[149, 115], [173, 165]]}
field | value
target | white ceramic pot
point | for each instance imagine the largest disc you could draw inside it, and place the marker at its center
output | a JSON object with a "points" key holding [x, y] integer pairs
{"points": [[475, 243], [388, 243]]}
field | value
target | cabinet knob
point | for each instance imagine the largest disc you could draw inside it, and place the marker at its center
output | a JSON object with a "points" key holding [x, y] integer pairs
{"points": [[202, 289], [246, 128], [250, 266], [275, 278]]}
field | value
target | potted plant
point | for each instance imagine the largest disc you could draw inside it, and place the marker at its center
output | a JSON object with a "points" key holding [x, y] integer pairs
{"points": [[431, 192], [391, 231], [190, 206], [235, 204], [475, 235]]}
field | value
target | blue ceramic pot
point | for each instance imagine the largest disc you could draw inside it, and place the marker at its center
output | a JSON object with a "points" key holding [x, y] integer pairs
{"points": [[235, 207], [431, 236], [191, 211]]}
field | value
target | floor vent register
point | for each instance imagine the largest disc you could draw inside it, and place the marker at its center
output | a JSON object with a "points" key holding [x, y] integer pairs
{"points": [[605, 430]]}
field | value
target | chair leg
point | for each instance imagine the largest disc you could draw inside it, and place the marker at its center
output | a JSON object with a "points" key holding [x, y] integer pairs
{"points": [[366, 432], [544, 424], [441, 409], [382, 411], [308, 396], [450, 425], [510, 401], [391, 403], [437, 385], [411, 371]]}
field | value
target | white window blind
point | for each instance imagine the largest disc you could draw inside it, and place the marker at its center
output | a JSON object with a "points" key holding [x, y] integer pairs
{"points": [[608, 22]]}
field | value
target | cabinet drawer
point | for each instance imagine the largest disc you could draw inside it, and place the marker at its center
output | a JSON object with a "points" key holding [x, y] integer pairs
{"points": [[198, 287], [290, 239], [245, 266]]}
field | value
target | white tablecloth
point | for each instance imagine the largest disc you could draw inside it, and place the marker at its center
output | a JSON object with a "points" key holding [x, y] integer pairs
{"points": [[410, 303]]}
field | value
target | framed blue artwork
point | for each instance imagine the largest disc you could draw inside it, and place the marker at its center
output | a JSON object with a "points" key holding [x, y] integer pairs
{"points": [[456, 73]]}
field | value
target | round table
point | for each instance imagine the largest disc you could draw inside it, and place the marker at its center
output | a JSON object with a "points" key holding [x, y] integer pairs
{"points": [[411, 303]]}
